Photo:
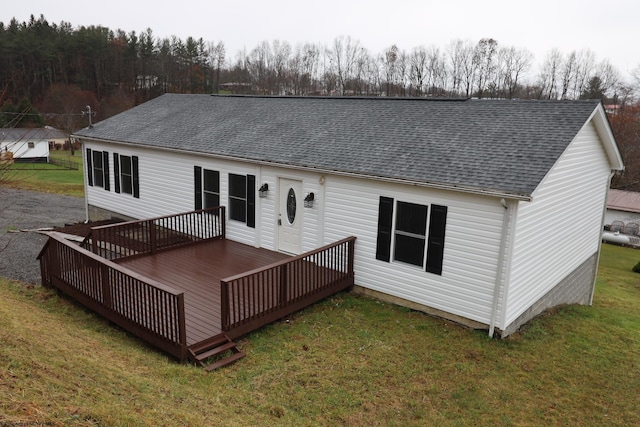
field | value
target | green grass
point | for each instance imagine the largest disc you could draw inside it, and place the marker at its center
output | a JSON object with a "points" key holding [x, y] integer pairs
{"points": [[349, 360], [46, 177]]}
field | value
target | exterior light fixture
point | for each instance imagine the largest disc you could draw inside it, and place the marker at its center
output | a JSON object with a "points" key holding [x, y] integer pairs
{"points": [[308, 200], [262, 191]]}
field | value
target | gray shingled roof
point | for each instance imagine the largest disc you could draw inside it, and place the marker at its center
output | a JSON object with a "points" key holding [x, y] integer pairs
{"points": [[30, 134], [504, 146]]}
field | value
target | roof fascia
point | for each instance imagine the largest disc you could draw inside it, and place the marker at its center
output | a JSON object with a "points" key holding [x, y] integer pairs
{"points": [[601, 122]]}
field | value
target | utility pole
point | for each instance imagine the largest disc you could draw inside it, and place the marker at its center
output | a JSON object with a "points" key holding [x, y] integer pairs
{"points": [[88, 113]]}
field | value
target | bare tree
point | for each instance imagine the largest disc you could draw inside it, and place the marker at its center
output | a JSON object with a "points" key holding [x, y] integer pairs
{"points": [[484, 58], [549, 75], [217, 54], [373, 75], [635, 77], [584, 71], [303, 69], [464, 54], [625, 124], [458, 54], [512, 64], [418, 69], [343, 57], [259, 67], [609, 77], [360, 83], [388, 64], [281, 51], [436, 71], [402, 74], [567, 73]]}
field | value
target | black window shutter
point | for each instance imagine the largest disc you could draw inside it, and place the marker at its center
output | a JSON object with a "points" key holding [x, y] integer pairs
{"points": [[89, 167], [116, 171], [385, 221], [105, 156], [251, 201], [435, 250], [136, 177], [197, 181]]}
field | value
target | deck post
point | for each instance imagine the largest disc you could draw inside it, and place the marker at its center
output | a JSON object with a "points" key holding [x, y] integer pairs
{"points": [[182, 327], [94, 242], [351, 246], [152, 236], [282, 297], [223, 222], [224, 305], [54, 261], [106, 286]]}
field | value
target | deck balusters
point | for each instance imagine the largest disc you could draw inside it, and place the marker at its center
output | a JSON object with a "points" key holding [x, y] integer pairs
{"points": [[148, 309], [263, 295]]}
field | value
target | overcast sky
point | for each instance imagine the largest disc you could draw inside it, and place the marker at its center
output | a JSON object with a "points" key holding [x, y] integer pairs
{"points": [[611, 29]]}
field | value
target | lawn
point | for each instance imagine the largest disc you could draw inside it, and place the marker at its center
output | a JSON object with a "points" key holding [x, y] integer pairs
{"points": [[349, 360], [45, 177]]}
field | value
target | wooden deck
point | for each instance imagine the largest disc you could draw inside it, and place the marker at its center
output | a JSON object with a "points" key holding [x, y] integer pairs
{"points": [[179, 284], [197, 271]]}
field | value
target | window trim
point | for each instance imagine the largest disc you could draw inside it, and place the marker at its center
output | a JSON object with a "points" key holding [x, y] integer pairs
{"points": [[422, 238], [199, 187], [432, 242], [119, 175], [94, 172], [205, 191], [98, 171], [248, 201]]}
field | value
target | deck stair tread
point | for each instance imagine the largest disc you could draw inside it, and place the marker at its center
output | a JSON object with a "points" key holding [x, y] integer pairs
{"points": [[224, 362], [201, 352]]}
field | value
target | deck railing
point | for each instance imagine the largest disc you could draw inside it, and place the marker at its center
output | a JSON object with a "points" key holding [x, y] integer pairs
{"points": [[261, 296], [150, 310], [149, 236]]}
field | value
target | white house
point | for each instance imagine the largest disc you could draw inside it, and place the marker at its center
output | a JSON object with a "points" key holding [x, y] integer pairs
{"points": [[29, 144], [623, 207], [486, 212]]}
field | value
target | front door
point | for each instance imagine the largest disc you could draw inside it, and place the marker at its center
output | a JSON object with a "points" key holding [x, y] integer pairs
{"points": [[290, 216]]}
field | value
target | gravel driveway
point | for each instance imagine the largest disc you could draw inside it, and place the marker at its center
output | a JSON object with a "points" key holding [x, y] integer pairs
{"points": [[20, 210]]}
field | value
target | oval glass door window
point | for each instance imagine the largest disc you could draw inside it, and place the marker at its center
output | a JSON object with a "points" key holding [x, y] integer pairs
{"points": [[291, 205]]}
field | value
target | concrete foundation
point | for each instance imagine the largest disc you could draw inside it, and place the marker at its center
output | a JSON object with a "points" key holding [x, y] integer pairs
{"points": [[575, 288], [101, 214]]}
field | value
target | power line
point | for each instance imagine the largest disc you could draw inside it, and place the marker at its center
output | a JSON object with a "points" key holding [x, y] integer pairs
{"points": [[84, 113]]}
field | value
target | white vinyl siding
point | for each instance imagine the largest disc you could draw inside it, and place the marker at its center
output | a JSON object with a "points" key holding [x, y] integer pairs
{"points": [[166, 186], [474, 224], [561, 227]]}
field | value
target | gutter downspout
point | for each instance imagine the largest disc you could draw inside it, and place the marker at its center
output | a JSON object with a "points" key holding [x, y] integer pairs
{"points": [[499, 275], [86, 187], [604, 211]]}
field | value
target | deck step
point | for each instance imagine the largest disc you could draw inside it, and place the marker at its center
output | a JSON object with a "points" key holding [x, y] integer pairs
{"points": [[226, 361], [215, 351], [214, 347], [209, 343]]}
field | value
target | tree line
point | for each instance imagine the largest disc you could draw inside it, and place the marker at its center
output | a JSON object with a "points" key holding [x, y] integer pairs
{"points": [[50, 72], [35, 55]]}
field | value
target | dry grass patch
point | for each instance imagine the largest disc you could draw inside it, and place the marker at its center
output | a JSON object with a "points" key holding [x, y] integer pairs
{"points": [[349, 360]]}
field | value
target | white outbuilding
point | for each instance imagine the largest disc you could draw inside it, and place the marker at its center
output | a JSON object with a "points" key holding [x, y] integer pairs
{"points": [[29, 144]]}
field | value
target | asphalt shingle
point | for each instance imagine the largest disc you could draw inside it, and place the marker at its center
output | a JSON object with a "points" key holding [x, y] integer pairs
{"points": [[503, 146]]}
